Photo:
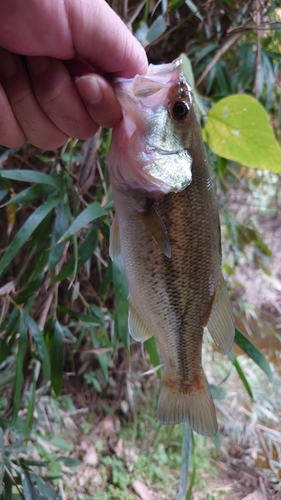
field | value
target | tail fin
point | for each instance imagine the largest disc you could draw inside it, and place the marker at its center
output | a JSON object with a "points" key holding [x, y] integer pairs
{"points": [[195, 407]]}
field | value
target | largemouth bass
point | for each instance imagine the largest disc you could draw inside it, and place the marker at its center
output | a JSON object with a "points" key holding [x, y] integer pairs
{"points": [[167, 229]]}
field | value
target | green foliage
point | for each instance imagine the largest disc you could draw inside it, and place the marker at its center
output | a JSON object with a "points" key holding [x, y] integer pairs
{"points": [[238, 129]]}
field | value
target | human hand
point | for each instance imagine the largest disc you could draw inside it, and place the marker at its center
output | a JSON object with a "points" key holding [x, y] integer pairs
{"points": [[39, 101]]}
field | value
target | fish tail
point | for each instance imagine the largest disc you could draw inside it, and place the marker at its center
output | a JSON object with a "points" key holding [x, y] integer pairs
{"points": [[190, 403]]}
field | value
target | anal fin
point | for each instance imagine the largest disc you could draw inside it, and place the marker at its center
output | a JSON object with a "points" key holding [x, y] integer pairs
{"points": [[176, 405], [137, 327], [114, 240], [157, 228], [221, 320]]}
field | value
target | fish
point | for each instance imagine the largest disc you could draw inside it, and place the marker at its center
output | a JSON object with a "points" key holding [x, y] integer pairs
{"points": [[167, 229]]}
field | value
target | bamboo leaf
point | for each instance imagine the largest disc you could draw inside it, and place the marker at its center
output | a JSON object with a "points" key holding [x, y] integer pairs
{"points": [[241, 374], [29, 195], [29, 490], [85, 252], [91, 213], [253, 352], [60, 226], [57, 358], [39, 341], [185, 460], [30, 176], [31, 405], [7, 342], [19, 379], [87, 318], [238, 128], [25, 232], [157, 29], [152, 350], [121, 291]]}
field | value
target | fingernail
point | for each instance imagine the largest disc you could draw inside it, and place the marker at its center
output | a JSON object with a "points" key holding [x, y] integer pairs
{"points": [[89, 88], [37, 64]]}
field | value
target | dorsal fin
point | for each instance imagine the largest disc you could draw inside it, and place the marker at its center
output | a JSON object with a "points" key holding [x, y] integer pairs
{"points": [[114, 239], [157, 228], [221, 321]]}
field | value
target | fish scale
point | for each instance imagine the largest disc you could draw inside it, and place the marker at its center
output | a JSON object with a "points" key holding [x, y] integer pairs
{"points": [[167, 229]]}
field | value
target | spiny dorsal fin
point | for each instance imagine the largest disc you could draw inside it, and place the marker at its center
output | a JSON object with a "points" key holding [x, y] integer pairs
{"points": [[221, 321], [137, 327], [157, 228], [114, 240]]}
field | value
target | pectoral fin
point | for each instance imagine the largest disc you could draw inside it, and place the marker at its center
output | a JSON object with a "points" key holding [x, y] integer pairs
{"points": [[221, 321], [114, 240], [157, 228], [137, 327]]}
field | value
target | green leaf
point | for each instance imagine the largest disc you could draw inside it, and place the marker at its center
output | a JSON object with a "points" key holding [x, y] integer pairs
{"points": [[238, 128], [29, 195], [25, 232], [217, 391], [152, 350], [30, 176], [31, 405], [253, 352], [29, 490], [87, 318], [194, 9], [242, 377], [57, 358], [1, 458], [91, 213], [157, 29], [185, 460], [6, 344], [19, 379], [187, 69], [121, 291], [39, 341], [60, 226]]}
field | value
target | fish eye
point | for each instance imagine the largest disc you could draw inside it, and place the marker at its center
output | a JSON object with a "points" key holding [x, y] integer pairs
{"points": [[180, 110]]}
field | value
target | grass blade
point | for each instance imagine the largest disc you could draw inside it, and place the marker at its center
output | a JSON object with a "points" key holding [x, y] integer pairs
{"points": [[152, 350], [39, 341], [30, 176], [185, 460], [60, 226], [253, 352], [91, 213], [241, 374], [30, 492], [29, 195], [121, 292], [25, 232], [19, 379], [57, 358]]}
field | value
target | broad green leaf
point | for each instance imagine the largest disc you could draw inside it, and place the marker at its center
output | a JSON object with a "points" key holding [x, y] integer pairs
{"points": [[30, 194], [39, 341], [57, 358], [19, 380], [85, 252], [157, 29], [25, 232], [121, 291], [29, 490], [242, 377], [152, 350], [30, 176], [253, 352], [60, 226], [1, 458], [194, 9], [238, 129], [187, 69], [91, 213]]}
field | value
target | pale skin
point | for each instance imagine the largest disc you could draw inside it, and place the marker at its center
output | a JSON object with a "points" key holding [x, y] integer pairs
{"points": [[44, 100]]}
